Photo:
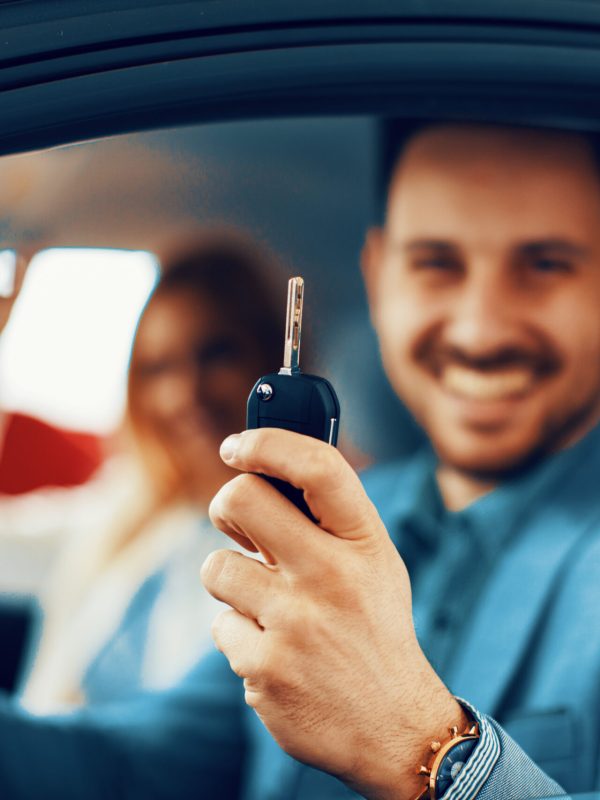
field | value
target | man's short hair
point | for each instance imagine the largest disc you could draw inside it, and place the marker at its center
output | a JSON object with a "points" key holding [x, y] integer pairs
{"points": [[394, 135]]}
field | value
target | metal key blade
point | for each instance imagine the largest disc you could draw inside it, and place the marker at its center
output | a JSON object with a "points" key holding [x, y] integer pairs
{"points": [[293, 327]]}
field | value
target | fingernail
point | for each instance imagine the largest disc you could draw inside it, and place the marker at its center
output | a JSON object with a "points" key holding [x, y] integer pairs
{"points": [[229, 447]]}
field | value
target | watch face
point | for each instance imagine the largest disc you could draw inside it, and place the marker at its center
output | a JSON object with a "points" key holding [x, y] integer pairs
{"points": [[452, 764]]}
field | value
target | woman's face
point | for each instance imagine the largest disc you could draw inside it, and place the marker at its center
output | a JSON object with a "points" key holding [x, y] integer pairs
{"points": [[194, 370]]}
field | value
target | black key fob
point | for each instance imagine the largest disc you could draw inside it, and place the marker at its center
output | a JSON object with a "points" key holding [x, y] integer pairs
{"points": [[294, 401]]}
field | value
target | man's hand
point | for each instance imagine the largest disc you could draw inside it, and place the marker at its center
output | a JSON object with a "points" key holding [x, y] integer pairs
{"points": [[322, 632]]}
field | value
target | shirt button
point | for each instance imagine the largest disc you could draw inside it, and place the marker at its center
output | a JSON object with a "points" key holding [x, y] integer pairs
{"points": [[442, 621]]}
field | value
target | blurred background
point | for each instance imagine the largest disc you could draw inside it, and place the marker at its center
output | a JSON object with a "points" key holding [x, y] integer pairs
{"points": [[108, 459], [305, 188]]}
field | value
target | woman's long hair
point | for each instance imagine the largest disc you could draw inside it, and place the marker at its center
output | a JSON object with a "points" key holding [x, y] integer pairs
{"points": [[234, 275]]}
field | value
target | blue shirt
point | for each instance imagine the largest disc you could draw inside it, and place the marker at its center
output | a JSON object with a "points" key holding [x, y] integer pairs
{"points": [[519, 564], [451, 555]]}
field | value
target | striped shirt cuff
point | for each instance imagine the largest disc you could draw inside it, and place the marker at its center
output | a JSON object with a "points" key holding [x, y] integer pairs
{"points": [[480, 763]]}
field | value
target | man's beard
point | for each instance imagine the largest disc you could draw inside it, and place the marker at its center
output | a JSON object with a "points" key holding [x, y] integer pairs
{"points": [[556, 434], [544, 360], [541, 358]]}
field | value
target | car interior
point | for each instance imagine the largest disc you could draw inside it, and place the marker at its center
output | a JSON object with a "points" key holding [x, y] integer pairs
{"points": [[129, 126]]}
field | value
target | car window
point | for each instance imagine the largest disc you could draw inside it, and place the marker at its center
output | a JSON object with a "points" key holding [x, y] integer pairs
{"points": [[306, 188], [96, 221], [65, 351]]}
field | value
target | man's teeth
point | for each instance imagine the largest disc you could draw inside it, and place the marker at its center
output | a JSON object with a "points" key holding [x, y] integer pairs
{"points": [[476, 385]]}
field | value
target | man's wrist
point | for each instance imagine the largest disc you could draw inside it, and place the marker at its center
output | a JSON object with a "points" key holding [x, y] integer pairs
{"points": [[480, 763], [393, 774], [449, 716], [446, 759], [476, 769]]}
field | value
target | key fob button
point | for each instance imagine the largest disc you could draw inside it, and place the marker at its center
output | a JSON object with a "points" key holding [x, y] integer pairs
{"points": [[264, 391]]}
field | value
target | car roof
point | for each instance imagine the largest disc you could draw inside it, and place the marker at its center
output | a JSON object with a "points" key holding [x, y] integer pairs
{"points": [[74, 71]]}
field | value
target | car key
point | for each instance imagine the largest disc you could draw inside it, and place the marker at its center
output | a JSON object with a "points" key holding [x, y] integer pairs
{"points": [[293, 400]]}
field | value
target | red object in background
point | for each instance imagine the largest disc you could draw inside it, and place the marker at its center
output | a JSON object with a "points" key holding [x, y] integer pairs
{"points": [[35, 455]]}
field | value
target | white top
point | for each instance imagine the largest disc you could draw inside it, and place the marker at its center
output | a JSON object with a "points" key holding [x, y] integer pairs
{"points": [[88, 592]]}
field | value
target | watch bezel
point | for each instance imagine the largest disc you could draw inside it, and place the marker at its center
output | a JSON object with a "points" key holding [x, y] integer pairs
{"points": [[441, 755]]}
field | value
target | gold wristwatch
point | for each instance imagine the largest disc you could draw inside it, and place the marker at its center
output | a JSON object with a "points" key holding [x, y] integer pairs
{"points": [[447, 761]]}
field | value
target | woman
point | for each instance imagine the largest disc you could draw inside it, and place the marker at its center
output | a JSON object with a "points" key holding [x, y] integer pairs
{"points": [[125, 609]]}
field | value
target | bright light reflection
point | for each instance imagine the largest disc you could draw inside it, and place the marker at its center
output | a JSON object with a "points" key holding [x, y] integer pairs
{"points": [[8, 265], [64, 353]]}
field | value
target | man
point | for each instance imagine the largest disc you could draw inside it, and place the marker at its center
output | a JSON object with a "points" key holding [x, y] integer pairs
{"points": [[484, 286], [484, 289]]}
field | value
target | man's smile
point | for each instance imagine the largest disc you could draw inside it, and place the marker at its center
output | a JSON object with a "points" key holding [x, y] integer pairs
{"points": [[487, 386], [488, 399]]}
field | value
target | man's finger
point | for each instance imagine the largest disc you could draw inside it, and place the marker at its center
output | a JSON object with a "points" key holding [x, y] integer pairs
{"points": [[239, 639], [331, 488], [249, 507], [243, 583]]}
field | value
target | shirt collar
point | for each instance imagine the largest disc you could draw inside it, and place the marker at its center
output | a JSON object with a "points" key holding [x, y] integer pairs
{"points": [[417, 506]]}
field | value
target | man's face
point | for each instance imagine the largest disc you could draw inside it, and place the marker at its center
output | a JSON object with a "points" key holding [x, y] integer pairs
{"points": [[485, 292]]}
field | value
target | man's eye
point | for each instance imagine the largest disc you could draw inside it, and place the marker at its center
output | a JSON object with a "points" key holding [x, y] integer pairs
{"points": [[552, 265], [436, 263]]}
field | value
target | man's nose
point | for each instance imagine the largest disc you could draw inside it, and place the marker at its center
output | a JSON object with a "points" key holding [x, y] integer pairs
{"points": [[483, 316]]}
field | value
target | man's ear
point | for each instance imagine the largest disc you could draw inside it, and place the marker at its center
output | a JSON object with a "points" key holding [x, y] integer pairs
{"points": [[371, 258]]}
